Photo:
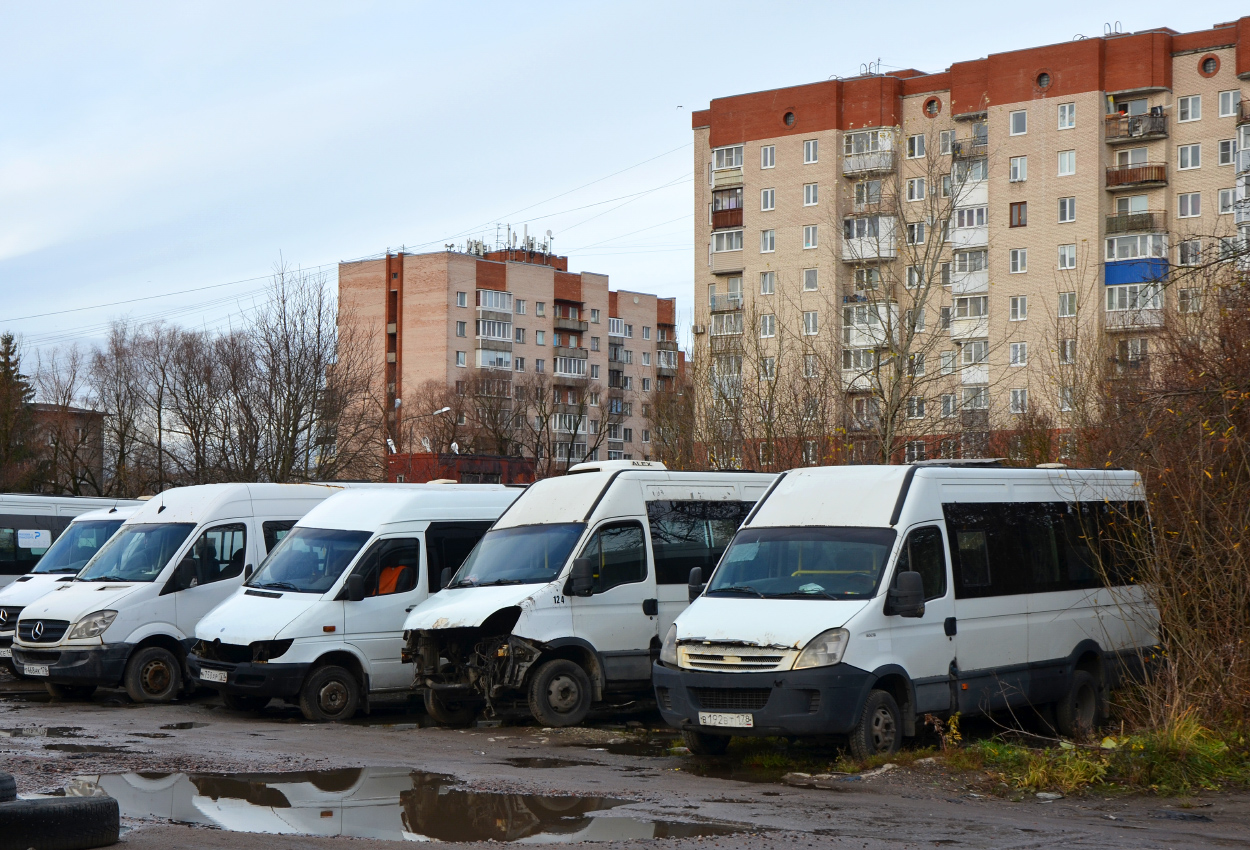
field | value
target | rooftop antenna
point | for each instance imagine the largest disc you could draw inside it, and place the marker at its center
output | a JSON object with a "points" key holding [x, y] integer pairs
{"points": [[548, 248]]}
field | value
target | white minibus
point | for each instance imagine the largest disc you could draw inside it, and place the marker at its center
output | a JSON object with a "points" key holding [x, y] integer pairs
{"points": [[129, 616], [67, 555], [563, 601], [855, 600], [320, 624], [29, 524]]}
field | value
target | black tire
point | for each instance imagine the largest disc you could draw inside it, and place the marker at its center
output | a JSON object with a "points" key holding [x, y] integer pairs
{"points": [[153, 674], [560, 693], [880, 727], [59, 823], [8, 788], [244, 702], [448, 713], [703, 744], [1077, 713], [69, 693], [330, 694]]}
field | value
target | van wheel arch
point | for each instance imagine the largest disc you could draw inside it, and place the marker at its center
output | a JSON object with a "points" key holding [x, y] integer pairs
{"points": [[1089, 657], [580, 653], [349, 662], [168, 642], [894, 680]]}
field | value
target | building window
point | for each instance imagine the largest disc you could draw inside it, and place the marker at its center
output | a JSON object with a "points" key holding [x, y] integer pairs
{"points": [[1019, 354], [462, 299], [867, 192], [594, 317], [974, 352], [768, 368], [1067, 305], [1019, 169], [1019, 401], [949, 408], [1188, 300], [1067, 398], [1228, 197], [1228, 103], [1020, 214], [1190, 157], [972, 307], [1067, 210], [646, 435], [914, 277], [915, 146], [809, 236], [1190, 252], [768, 326], [1067, 116], [915, 364], [461, 358], [858, 359], [540, 308], [729, 157], [811, 452], [915, 233], [1067, 257], [811, 323], [867, 279], [1230, 248], [518, 363], [1019, 308], [629, 329], [948, 362], [1019, 260], [540, 365], [915, 189], [1134, 296], [810, 366], [594, 343], [1019, 122], [1067, 163], [646, 329], [811, 151], [1227, 152], [768, 156], [461, 328], [768, 241], [915, 408], [945, 138], [970, 217], [944, 317], [976, 398], [646, 358], [1067, 351], [810, 194], [1189, 108], [768, 200], [768, 282], [809, 280], [540, 338], [1190, 204], [594, 371], [729, 240]]}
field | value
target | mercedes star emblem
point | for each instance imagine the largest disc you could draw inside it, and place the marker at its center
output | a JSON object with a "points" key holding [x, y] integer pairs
{"points": [[4, 616], [38, 630]]}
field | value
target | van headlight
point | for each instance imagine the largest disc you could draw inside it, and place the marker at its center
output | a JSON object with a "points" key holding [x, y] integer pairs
{"points": [[92, 625], [668, 652], [824, 650]]}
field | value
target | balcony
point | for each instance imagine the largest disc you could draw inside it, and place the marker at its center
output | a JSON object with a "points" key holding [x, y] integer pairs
{"points": [[970, 283], [572, 325], [1142, 318], [722, 219], [726, 178], [1243, 112], [975, 328], [1138, 222], [666, 345], [1243, 157], [1136, 128], [727, 262], [975, 374], [871, 162], [1136, 176], [977, 236], [1129, 366], [855, 381], [725, 303], [970, 148]]}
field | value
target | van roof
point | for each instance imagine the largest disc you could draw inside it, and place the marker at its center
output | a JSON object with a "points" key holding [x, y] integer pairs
{"points": [[122, 512], [202, 502], [369, 509]]}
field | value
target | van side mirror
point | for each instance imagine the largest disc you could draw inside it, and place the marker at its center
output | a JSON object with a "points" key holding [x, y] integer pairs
{"points": [[355, 588], [583, 577], [906, 597], [696, 583], [444, 578]]}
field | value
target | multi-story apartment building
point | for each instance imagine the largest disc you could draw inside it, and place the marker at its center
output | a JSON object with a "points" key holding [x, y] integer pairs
{"points": [[1033, 207], [546, 360]]}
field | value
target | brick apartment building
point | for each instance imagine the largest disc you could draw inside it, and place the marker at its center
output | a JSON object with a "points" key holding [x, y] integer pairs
{"points": [[514, 320], [1085, 172]]}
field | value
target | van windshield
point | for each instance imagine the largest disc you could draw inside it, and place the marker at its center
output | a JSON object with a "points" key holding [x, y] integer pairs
{"points": [[70, 552], [137, 552], [527, 554], [804, 563], [309, 560]]}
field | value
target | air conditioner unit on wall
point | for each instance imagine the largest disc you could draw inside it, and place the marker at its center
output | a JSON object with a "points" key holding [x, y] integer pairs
{"points": [[699, 329]]}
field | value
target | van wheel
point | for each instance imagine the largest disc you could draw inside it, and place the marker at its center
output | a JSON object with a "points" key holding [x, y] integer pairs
{"points": [[329, 694], [69, 692], [448, 712], [880, 728], [1077, 713], [244, 702], [703, 744], [560, 693], [153, 674]]}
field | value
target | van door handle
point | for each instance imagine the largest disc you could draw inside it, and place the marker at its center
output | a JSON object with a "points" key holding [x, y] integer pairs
{"points": [[650, 607], [949, 627], [408, 610]]}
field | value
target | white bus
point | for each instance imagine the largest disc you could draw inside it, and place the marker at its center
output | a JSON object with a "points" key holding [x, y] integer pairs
{"points": [[29, 524]]}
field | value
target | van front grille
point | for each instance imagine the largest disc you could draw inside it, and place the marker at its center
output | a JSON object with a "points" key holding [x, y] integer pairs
{"points": [[732, 699], [8, 617], [229, 653], [737, 659], [42, 631]]}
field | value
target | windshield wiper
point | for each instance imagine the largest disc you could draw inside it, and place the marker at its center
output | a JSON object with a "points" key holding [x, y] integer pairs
{"points": [[280, 585], [104, 578], [61, 570], [737, 588], [821, 592]]}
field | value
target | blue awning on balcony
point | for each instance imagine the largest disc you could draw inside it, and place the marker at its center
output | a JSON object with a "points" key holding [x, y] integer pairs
{"points": [[1135, 271]]}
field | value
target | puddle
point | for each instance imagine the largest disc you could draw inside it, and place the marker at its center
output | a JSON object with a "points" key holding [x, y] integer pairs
{"points": [[85, 748], [543, 763], [186, 724], [376, 802], [42, 732], [645, 746], [151, 734]]}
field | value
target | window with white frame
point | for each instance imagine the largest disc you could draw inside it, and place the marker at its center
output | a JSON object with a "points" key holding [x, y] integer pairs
{"points": [[768, 326], [727, 157], [1228, 103], [540, 338], [1067, 257], [915, 233], [915, 189], [863, 227], [809, 236], [811, 323], [1134, 296], [646, 329], [1018, 122], [914, 277], [1188, 300], [970, 217], [971, 261], [462, 299], [1019, 260], [1019, 401], [461, 329], [1067, 305], [971, 170], [518, 363], [972, 307], [1189, 204], [1067, 116], [811, 366], [1067, 210], [946, 186], [858, 359], [461, 359], [945, 139], [915, 409], [1227, 152], [1019, 354], [811, 151], [768, 368], [867, 141], [1189, 157], [867, 278], [594, 343], [1019, 169], [810, 281], [1231, 247], [646, 358], [726, 324], [1019, 308], [1067, 163], [915, 365], [948, 362], [810, 194], [1067, 398], [1136, 247], [915, 319], [1189, 108], [518, 306], [976, 398], [915, 146], [768, 241], [768, 200], [1067, 352], [489, 329], [1190, 252], [867, 192], [616, 326], [1227, 199], [768, 156], [974, 352], [949, 406], [594, 317], [727, 240], [768, 283]]}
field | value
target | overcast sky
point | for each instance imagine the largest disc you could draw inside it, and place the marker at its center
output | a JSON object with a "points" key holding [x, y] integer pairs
{"points": [[152, 148]]}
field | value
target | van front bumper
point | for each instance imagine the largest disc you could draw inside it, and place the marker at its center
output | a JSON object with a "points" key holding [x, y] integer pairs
{"points": [[90, 665], [249, 678], [818, 701]]}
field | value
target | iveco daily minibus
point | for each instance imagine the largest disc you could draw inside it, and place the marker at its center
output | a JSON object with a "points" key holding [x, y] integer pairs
{"points": [[129, 616], [857, 599], [564, 599], [321, 622], [67, 555]]}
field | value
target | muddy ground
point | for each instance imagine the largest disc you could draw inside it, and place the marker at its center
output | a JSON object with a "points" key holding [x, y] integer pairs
{"points": [[184, 771]]}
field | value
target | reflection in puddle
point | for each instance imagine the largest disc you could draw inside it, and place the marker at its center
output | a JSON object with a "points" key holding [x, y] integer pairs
{"points": [[43, 732], [187, 724], [151, 734], [542, 762], [85, 748], [386, 803]]}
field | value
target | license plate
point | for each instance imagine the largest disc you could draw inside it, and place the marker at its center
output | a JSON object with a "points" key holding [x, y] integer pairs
{"points": [[740, 721], [6, 653], [213, 675], [35, 669]]}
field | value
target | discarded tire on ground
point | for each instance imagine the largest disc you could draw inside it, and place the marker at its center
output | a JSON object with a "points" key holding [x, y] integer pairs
{"points": [[59, 823], [8, 787]]}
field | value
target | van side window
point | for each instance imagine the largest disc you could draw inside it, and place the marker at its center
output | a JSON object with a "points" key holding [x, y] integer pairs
{"points": [[274, 530], [15, 559], [619, 554], [217, 554], [974, 559], [685, 535], [447, 544], [924, 553], [390, 566]]}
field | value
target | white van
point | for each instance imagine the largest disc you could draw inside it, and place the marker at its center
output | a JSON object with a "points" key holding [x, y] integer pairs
{"points": [[129, 616], [566, 596], [321, 622], [67, 555], [857, 599], [29, 524]]}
